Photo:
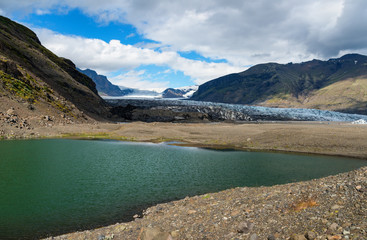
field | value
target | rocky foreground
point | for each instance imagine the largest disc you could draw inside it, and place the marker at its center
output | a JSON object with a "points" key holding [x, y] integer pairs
{"points": [[334, 207]]}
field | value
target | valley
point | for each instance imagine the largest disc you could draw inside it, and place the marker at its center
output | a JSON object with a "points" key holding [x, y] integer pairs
{"points": [[300, 108]]}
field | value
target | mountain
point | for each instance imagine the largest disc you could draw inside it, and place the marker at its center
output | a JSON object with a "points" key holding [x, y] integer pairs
{"points": [[33, 76], [172, 93], [104, 86], [337, 84], [183, 92]]}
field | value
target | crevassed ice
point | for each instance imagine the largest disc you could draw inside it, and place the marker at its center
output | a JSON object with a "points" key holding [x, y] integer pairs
{"points": [[298, 114]]}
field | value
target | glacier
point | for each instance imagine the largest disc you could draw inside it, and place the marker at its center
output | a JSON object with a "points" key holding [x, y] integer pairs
{"points": [[238, 112]]}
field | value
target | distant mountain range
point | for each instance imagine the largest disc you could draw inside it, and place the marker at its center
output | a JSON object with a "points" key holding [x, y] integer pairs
{"points": [[337, 84], [106, 88], [103, 85]]}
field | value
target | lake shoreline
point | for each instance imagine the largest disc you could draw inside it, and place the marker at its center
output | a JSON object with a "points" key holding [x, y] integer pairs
{"points": [[192, 218], [325, 138], [333, 207]]}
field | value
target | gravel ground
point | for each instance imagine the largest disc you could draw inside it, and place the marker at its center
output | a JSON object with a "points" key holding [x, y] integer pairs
{"points": [[334, 207]]}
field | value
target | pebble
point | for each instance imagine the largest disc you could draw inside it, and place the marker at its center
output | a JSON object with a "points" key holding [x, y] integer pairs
{"points": [[191, 212], [334, 207], [254, 237], [297, 237], [359, 188], [245, 227], [10, 111], [271, 237], [175, 234], [333, 228], [335, 237], [311, 235]]}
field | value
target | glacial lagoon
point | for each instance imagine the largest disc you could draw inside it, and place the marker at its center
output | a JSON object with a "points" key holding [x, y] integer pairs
{"points": [[54, 186]]}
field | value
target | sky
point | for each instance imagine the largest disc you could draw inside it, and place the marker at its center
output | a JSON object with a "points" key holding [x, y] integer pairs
{"points": [[155, 44]]}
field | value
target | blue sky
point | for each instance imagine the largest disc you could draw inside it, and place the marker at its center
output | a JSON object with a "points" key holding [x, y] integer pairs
{"points": [[155, 44], [74, 22]]}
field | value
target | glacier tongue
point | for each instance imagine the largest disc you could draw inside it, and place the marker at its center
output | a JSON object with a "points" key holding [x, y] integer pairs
{"points": [[241, 112]]}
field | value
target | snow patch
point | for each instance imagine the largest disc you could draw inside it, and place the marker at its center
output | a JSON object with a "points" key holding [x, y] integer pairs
{"points": [[360, 121], [190, 93]]}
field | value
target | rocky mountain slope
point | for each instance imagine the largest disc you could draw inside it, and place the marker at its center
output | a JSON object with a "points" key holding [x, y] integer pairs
{"points": [[184, 92], [337, 84], [172, 93], [35, 82]]}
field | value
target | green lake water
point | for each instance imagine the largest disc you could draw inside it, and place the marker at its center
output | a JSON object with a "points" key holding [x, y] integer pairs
{"points": [[50, 187]]}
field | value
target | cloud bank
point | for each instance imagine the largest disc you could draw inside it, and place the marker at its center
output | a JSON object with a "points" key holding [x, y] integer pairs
{"points": [[241, 32], [113, 56]]}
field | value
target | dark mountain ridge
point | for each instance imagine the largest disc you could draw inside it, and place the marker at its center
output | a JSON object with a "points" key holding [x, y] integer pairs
{"points": [[294, 85], [106, 88], [103, 85], [27, 67]]}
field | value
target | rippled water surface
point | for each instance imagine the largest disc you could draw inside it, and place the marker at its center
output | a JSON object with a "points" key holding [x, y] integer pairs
{"points": [[57, 186]]}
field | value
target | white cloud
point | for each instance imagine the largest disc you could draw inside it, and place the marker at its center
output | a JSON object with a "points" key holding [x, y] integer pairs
{"points": [[100, 55], [138, 79], [114, 56], [202, 71], [25, 6], [42, 12], [130, 35], [243, 32]]}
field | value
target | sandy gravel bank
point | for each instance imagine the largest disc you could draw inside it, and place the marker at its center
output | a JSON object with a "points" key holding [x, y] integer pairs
{"points": [[308, 137]]}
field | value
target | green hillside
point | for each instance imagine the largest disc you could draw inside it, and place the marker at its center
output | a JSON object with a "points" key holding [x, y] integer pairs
{"points": [[336, 84]]}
